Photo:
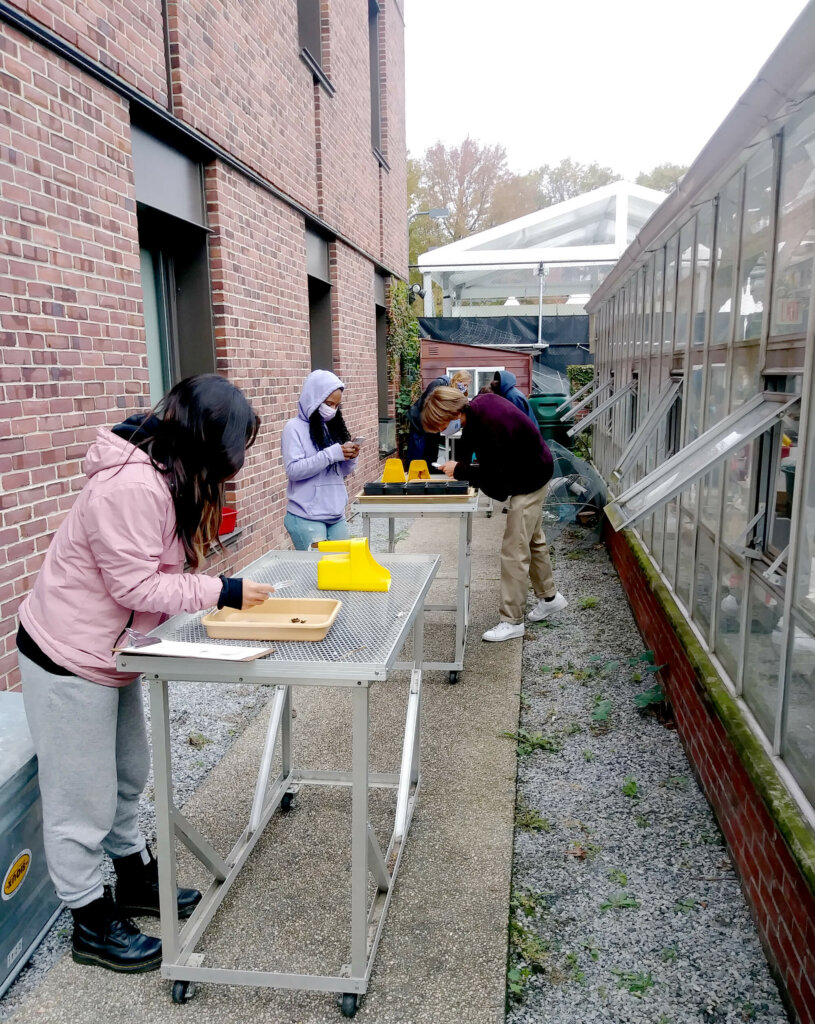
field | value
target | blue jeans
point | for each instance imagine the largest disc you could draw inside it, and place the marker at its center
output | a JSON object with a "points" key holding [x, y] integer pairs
{"points": [[305, 531]]}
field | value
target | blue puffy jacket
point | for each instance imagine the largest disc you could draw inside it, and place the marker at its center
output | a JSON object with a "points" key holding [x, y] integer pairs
{"points": [[507, 389]]}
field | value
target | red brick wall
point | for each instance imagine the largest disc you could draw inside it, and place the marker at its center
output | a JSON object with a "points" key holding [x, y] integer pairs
{"points": [[126, 37], [71, 350], [72, 347], [780, 900], [393, 183], [238, 78], [258, 266]]}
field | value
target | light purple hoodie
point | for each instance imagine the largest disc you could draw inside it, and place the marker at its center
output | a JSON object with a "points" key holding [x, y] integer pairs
{"points": [[316, 487]]}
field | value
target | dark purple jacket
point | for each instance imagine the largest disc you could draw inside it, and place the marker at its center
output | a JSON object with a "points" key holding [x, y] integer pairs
{"points": [[512, 456]]}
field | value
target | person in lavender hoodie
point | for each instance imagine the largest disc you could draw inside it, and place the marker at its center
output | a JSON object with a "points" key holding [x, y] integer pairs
{"points": [[318, 454]]}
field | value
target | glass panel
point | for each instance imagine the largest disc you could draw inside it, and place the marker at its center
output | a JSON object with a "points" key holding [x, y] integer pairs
{"points": [[796, 225], [155, 327], [602, 408], [728, 437], [755, 242], [704, 241], [715, 411], [805, 588], [745, 379], [659, 410], [683, 295], [670, 297], [738, 475], [798, 742], [727, 225], [703, 586], [761, 658], [783, 485], [659, 280], [693, 399], [728, 623], [687, 543], [658, 535], [669, 542]]}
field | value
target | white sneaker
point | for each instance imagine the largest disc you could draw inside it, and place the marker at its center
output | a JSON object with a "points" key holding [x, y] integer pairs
{"points": [[504, 631], [543, 609]]}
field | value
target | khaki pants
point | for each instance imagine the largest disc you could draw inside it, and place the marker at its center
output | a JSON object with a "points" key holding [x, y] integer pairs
{"points": [[524, 555]]}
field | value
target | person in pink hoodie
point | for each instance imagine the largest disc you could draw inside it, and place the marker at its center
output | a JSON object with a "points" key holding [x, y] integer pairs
{"points": [[151, 502]]}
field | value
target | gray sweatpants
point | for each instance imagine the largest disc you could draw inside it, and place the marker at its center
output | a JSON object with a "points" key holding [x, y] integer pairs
{"points": [[93, 759]]}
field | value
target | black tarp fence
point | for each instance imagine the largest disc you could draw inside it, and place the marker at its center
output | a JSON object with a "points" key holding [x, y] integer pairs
{"points": [[566, 336]]}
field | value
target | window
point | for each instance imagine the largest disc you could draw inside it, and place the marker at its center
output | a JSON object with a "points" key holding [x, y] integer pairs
{"points": [[571, 413], [320, 325], [481, 376], [580, 393], [174, 259], [310, 37], [796, 226], [177, 300], [387, 423], [671, 477], [374, 15], [665, 401], [602, 408]]}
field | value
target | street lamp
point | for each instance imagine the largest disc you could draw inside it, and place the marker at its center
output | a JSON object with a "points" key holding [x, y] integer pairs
{"points": [[437, 213]]}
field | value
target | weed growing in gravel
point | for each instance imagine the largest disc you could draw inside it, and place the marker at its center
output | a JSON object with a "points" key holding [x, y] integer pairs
{"points": [[517, 980], [669, 955], [198, 740], [600, 714], [636, 982], [620, 901], [574, 556], [588, 602], [642, 821], [620, 877], [529, 902], [573, 729], [584, 851], [680, 782], [591, 949], [631, 788], [531, 741], [653, 695], [686, 905], [572, 969], [526, 945], [529, 820], [589, 755]]}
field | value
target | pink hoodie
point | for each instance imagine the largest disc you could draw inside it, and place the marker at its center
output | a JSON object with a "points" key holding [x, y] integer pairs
{"points": [[115, 551]]}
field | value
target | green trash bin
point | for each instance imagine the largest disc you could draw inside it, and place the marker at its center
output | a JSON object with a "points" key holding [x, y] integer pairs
{"points": [[544, 407]]}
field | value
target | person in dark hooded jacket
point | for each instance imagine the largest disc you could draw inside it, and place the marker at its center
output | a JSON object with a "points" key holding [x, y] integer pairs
{"points": [[504, 384]]}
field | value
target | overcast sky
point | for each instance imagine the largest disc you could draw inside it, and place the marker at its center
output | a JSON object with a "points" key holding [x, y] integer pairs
{"points": [[627, 83]]}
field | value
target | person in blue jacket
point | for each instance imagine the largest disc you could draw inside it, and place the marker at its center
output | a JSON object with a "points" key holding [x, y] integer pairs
{"points": [[504, 384]]}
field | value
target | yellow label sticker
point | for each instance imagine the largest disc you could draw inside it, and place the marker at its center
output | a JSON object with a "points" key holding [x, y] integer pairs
{"points": [[16, 874]]}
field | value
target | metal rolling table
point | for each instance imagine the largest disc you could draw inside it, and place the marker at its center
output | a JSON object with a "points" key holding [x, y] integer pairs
{"points": [[393, 508], [360, 649]]}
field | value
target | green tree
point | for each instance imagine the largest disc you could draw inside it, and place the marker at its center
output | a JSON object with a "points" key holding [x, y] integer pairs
{"points": [[568, 179], [663, 177]]}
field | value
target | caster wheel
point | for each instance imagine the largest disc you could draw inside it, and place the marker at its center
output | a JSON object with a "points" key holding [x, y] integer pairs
{"points": [[286, 802], [183, 991], [452, 677], [489, 515], [349, 1004]]}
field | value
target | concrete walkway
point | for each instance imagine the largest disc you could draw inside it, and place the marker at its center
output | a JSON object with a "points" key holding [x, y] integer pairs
{"points": [[443, 953]]}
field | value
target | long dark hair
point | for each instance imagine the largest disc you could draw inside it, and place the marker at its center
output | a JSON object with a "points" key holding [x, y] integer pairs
{"points": [[199, 441], [325, 433]]}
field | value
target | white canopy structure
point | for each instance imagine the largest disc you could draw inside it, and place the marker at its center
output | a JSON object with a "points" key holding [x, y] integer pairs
{"points": [[557, 256]]}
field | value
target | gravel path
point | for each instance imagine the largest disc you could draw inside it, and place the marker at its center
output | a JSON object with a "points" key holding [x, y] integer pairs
{"points": [[205, 721], [626, 907]]}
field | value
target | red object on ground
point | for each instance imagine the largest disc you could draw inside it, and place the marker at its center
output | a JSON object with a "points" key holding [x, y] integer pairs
{"points": [[229, 517]]}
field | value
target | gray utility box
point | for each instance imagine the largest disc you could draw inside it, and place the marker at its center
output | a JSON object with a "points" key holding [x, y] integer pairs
{"points": [[28, 903]]}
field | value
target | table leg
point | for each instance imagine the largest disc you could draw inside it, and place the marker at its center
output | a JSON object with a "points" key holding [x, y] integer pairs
{"points": [[366, 527], [359, 832], [165, 830], [391, 534]]}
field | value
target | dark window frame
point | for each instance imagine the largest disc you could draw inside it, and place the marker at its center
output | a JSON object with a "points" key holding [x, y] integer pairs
{"points": [[309, 37]]}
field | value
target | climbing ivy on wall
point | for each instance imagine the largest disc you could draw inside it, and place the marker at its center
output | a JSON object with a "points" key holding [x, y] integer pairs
{"points": [[403, 356], [579, 376]]}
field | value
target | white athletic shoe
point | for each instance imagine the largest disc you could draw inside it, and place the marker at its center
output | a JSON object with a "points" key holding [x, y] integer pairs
{"points": [[543, 609], [504, 631]]}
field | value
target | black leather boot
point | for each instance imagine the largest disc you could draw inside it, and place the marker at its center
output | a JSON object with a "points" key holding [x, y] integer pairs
{"points": [[105, 937], [137, 888]]}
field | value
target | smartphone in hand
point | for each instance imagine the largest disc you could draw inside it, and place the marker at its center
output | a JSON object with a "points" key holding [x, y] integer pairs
{"points": [[357, 440]]}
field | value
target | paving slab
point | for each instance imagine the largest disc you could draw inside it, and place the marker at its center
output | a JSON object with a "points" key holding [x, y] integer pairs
{"points": [[442, 956]]}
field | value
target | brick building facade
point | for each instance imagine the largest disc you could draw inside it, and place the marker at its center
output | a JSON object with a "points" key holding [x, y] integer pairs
{"points": [[185, 190]]}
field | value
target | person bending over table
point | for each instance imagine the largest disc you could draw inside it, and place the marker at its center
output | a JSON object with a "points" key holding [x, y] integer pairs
{"points": [[424, 445], [152, 500], [511, 459]]}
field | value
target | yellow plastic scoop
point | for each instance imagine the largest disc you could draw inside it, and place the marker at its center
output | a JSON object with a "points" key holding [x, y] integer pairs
{"points": [[349, 565], [394, 472], [418, 470]]}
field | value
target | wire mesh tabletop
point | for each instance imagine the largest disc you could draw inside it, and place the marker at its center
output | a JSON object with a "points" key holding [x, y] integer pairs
{"points": [[364, 641]]}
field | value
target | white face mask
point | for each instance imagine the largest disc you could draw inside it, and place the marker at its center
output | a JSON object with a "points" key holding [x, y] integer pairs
{"points": [[462, 388], [328, 412], [451, 429]]}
